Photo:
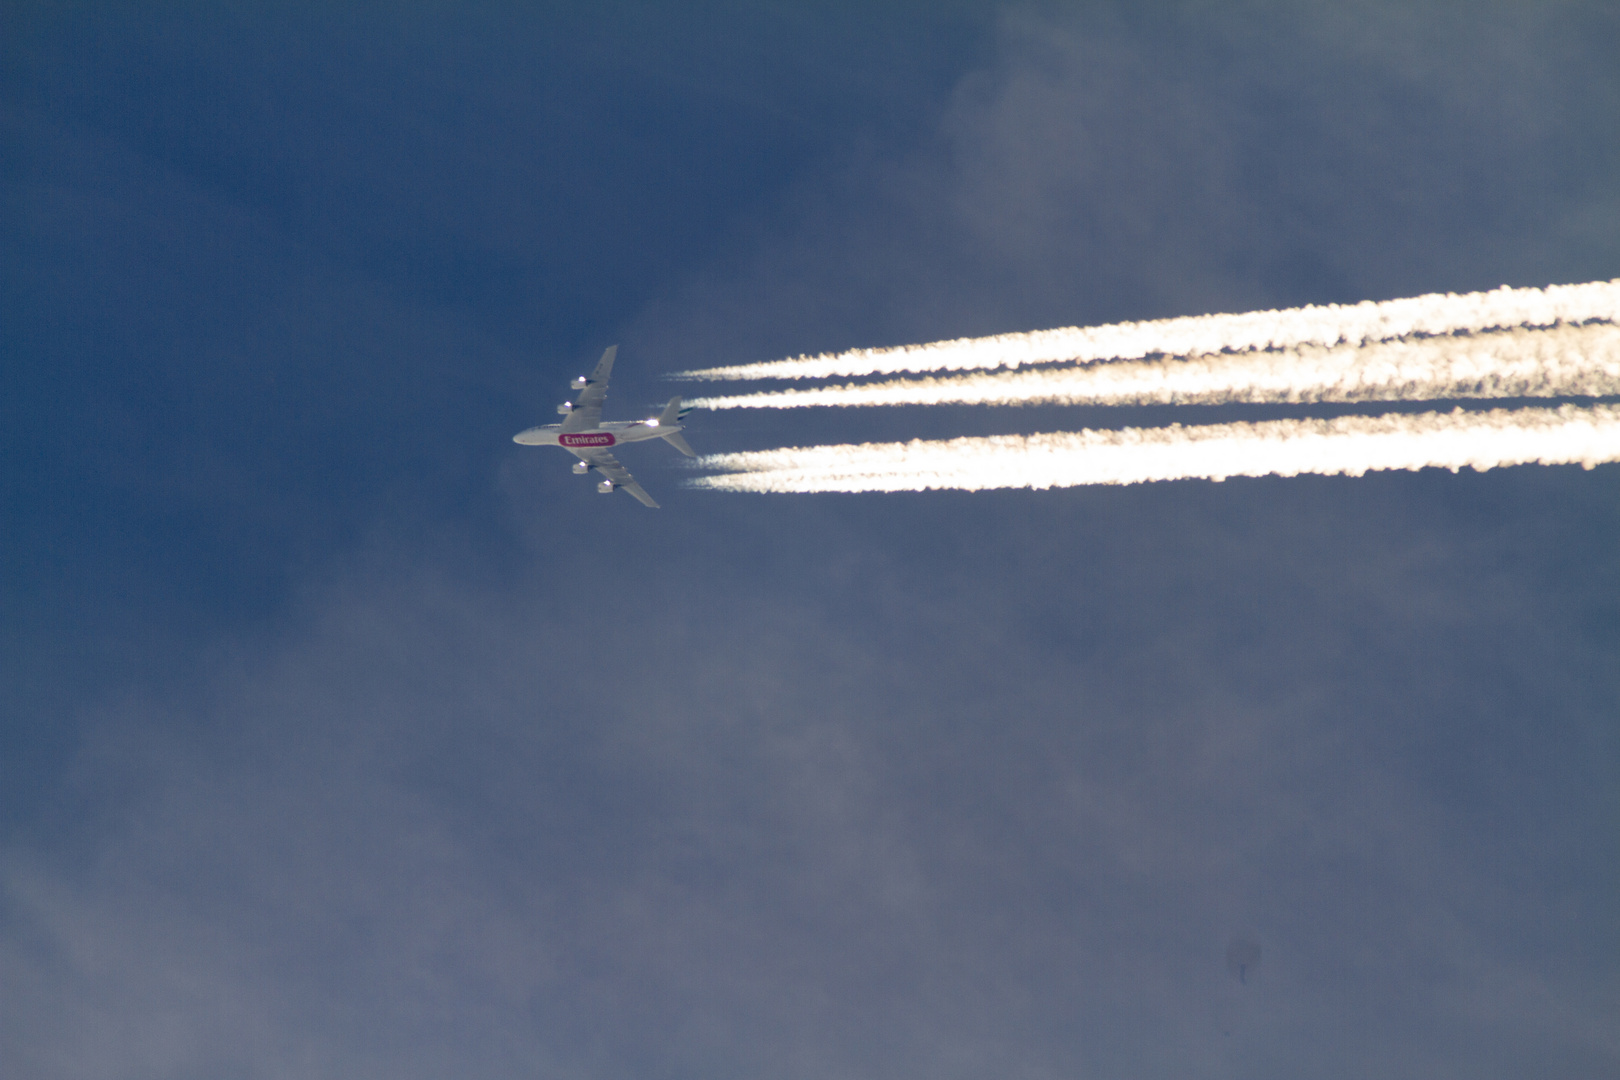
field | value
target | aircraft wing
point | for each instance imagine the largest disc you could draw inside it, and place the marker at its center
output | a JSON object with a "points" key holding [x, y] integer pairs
{"points": [[606, 464], [587, 412]]}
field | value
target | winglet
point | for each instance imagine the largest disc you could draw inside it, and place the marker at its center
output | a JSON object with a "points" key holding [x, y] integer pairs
{"points": [[635, 491]]}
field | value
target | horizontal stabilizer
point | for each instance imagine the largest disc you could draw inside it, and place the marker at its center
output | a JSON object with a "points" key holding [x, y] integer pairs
{"points": [[671, 418], [674, 439]]}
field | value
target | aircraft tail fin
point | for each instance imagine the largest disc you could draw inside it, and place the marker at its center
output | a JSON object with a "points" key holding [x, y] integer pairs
{"points": [[671, 418]]}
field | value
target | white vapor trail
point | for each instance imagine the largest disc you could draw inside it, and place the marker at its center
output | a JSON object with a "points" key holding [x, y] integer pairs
{"points": [[1327, 325], [1350, 445], [1565, 360]]}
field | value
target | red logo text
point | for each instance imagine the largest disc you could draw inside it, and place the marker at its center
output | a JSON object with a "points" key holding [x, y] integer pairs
{"points": [[595, 438]]}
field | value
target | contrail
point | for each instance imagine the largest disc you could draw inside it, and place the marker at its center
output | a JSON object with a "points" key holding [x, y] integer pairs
{"points": [[1562, 361], [1349, 445], [1326, 325]]}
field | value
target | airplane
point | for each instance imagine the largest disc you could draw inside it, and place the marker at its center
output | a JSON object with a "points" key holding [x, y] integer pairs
{"points": [[583, 434]]}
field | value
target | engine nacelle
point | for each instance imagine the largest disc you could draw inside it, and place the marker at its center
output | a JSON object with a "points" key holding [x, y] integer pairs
{"points": [[581, 468], [605, 487], [565, 408], [580, 383]]}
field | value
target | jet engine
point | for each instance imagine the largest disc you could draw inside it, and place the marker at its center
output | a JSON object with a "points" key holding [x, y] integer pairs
{"points": [[580, 382], [605, 487], [581, 468]]}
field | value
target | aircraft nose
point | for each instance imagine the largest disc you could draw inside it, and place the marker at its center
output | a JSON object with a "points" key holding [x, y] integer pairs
{"points": [[525, 437]]}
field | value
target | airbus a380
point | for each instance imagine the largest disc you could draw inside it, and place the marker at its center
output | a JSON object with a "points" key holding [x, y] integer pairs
{"points": [[583, 434]]}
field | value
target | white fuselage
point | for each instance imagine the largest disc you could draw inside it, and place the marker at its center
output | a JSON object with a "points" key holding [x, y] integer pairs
{"points": [[600, 437]]}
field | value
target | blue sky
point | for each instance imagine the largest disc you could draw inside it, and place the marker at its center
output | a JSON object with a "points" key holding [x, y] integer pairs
{"points": [[343, 737]]}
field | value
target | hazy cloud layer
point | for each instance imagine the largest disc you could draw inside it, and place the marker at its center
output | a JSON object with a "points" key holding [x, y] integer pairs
{"points": [[1113, 164], [870, 836], [538, 783]]}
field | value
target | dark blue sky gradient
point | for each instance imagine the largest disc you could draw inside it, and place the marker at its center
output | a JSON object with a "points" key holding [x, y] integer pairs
{"points": [[342, 737], [318, 243]]}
